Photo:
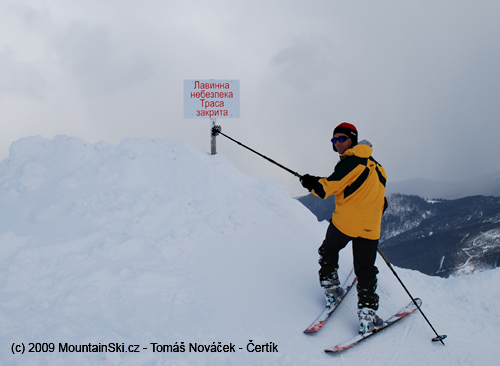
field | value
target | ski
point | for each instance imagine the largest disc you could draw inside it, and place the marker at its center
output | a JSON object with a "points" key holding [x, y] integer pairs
{"points": [[410, 308], [320, 321]]}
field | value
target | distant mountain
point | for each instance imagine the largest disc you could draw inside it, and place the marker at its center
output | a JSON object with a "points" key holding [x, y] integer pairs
{"points": [[486, 185], [442, 237], [436, 237], [322, 209]]}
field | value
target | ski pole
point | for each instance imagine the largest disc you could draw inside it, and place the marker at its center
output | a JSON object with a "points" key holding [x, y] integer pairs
{"points": [[437, 337], [216, 130]]}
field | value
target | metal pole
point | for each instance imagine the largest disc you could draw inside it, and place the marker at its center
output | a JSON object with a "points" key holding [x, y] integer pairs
{"points": [[437, 337], [216, 130], [213, 144]]}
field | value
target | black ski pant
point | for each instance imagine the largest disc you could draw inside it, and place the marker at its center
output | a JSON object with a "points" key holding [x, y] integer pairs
{"points": [[364, 254]]}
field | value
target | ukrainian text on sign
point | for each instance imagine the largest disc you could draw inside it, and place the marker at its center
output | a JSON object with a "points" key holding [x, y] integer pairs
{"points": [[211, 98]]}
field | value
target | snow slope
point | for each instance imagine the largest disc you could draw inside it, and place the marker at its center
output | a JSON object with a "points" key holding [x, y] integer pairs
{"points": [[150, 242]]}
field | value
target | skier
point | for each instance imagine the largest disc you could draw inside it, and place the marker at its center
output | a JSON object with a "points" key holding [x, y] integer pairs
{"points": [[358, 183]]}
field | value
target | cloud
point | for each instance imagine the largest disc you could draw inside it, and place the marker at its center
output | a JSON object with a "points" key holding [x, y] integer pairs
{"points": [[19, 78], [31, 19], [305, 62], [100, 63], [418, 79]]}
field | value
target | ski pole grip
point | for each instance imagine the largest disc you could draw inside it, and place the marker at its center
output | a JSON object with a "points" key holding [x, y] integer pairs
{"points": [[216, 130]]}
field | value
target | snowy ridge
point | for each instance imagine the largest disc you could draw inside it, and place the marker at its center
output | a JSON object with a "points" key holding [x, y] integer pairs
{"points": [[150, 242], [475, 248], [406, 213]]}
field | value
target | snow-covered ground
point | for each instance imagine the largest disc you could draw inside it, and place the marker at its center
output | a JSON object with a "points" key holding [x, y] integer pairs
{"points": [[162, 246]]}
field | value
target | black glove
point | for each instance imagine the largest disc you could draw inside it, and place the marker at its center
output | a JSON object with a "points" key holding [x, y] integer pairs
{"points": [[308, 181]]}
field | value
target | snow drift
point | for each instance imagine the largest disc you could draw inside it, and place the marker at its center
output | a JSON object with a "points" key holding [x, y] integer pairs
{"points": [[150, 247]]}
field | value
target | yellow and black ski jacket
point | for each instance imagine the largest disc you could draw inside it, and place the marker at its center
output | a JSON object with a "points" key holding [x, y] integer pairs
{"points": [[358, 183]]}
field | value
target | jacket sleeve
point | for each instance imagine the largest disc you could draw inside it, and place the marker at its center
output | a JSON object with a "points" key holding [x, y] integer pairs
{"points": [[345, 173]]}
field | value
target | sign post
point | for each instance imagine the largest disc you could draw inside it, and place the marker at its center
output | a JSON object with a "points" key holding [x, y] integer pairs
{"points": [[213, 99], [213, 144]]}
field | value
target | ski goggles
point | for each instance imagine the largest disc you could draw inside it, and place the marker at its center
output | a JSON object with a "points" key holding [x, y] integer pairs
{"points": [[339, 139]]}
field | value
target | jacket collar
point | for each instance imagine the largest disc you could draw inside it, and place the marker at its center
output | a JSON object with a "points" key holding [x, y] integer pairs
{"points": [[361, 150]]}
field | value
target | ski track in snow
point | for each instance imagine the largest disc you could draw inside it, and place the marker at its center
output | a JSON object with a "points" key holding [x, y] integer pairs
{"points": [[150, 241]]}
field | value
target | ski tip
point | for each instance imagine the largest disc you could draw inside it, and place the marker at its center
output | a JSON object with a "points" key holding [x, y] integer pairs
{"points": [[310, 331], [339, 348], [314, 328], [333, 350]]}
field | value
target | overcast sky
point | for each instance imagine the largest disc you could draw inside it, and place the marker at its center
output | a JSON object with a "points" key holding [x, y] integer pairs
{"points": [[419, 79]]}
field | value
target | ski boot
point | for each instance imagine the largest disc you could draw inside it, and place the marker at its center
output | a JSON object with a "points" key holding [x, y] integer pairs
{"points": [[332, 294], [368, 320]]}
